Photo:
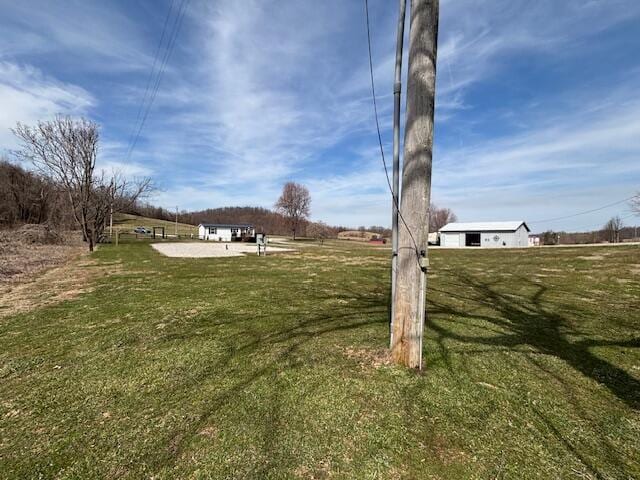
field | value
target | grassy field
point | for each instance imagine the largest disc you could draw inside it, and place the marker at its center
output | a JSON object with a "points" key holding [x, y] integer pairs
{"points": [[275, 367], [127, 222]]}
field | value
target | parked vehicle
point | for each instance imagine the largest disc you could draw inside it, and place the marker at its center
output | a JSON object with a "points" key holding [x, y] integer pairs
{"points": [[142, 230]]}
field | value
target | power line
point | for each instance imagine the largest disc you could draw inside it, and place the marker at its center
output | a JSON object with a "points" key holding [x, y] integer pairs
{"points": [[594, 226], [585, 212], [375, 110], [169, 50], [151, 73]]}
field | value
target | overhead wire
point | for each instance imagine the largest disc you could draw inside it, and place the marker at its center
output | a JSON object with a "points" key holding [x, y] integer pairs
{"points": [[585, 212], [592, 227], [375, 110], [151, 73], [177, 23]]}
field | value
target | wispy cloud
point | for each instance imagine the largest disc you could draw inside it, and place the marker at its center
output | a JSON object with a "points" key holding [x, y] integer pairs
{"points": [[273, 106], [571, 162], [478, 42], [100, 37], [27, 95]]}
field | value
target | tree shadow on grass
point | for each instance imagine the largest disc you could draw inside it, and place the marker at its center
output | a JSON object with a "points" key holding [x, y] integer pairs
{"points": [[532, 326], [360, 310], [514, 324], [536, 324]]}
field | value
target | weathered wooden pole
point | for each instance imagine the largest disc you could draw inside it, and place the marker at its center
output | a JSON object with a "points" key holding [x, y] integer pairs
{"points": [[409, 299]]}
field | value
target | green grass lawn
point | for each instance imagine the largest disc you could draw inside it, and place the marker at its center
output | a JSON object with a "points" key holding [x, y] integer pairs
{"points": [[275, 367]]}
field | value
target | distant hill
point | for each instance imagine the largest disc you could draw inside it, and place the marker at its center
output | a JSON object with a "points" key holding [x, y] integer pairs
{"points": [[263, 219], [127, 222], [359, 235]]}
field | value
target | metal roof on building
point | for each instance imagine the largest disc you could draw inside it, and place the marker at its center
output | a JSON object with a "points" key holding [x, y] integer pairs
{"points": [[484, 226]]}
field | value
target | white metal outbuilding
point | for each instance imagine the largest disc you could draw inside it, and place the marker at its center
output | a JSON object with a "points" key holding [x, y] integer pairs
{"points": [[485, 234]]}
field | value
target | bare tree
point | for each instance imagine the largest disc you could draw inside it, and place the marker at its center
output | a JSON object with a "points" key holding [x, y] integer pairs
{"points": [[294, 204], [66, 150], [612, 229], [439, 217], [319, 230]]}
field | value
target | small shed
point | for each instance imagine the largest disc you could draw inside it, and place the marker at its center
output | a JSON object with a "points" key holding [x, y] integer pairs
{"points": [[220, 232], [512, 234]]}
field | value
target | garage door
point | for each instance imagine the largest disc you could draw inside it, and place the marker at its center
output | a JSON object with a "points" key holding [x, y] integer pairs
{"points": [[451, 240]]}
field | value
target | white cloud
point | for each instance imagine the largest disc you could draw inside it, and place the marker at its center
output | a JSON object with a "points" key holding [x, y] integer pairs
{"points": [[100, 36], [27, 95], [129, 170]]}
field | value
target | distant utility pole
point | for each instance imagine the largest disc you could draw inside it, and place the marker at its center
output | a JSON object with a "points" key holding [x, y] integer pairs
{"points": [[409, 299], [397, 88], [110, 220], [176, 220]]}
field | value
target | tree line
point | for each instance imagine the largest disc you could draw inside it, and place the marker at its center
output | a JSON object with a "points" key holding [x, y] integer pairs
{"points": [[613, 231], [29, 197], [33, 196], [263, 219]]}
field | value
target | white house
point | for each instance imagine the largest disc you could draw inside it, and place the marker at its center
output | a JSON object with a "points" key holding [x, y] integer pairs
{"points": [[225, 232], [485, 235]]}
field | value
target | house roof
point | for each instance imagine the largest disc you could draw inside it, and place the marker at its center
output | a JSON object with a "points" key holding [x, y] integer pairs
{"points": [[223, 225], [484, 226]]}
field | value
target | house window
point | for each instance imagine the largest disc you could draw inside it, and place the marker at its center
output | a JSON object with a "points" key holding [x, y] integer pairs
{"points": [[234, 230], [213, 230]]}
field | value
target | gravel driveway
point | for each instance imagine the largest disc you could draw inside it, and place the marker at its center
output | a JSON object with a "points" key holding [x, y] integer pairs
{"points": [[212, 249]]}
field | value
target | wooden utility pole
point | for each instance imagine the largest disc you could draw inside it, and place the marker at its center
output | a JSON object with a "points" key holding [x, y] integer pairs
{"points": [[176, 221], [409, 299]]}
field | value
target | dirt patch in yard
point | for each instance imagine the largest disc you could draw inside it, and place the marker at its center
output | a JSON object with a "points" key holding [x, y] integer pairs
{"points": [[34, 273], [54, 286], [28, 251], [367, 357]]}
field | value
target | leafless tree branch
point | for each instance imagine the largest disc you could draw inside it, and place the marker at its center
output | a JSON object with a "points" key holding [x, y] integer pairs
{"points": [[66, 150]]}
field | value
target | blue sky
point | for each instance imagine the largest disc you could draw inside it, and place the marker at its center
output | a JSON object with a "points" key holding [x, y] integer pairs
{"points": [[537, 110]]}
